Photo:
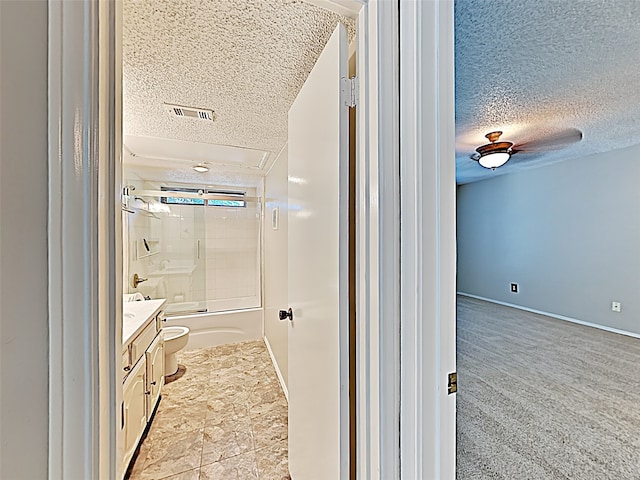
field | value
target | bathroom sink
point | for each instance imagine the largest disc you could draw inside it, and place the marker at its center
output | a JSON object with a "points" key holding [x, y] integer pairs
{"points": [[135, 315]]}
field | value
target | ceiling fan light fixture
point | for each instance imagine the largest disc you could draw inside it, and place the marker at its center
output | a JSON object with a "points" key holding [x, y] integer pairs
{"points": [[494, 154], [494, 160], [200, 168]]}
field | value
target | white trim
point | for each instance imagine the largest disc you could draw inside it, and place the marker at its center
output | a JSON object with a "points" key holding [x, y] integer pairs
{"points": [[83, 247], [377, 231], [56, 317], [554, 315], [343, 262], [428, 257], [74, 400], [388, 235], [263, 249], [277, 157], [367, 433], [348, 8], [277, 368], [109, 228]]}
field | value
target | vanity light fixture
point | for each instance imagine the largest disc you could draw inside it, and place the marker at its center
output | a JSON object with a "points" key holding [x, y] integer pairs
{"points": [[200, 168]]}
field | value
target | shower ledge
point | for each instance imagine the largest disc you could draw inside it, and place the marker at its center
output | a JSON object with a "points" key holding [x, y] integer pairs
{"points": [[177, 270]]}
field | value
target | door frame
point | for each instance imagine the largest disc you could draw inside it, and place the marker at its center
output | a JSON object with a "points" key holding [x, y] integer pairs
{"points": [[84, 244], [377, 244], [85, 251], [428, 239]]}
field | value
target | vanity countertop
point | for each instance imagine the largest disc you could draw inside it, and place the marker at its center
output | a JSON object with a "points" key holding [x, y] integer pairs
{"points": [[137, 315]]}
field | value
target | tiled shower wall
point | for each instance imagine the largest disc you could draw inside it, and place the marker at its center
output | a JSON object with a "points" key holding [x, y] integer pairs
{"points": [[137, 226], [232, 239]]}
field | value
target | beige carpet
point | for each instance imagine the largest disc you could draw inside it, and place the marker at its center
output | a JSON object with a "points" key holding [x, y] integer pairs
{"points": [[540, 398]]}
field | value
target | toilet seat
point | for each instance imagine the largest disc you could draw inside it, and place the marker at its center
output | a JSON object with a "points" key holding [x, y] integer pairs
{"points": [[175, 339], [171, 333]]}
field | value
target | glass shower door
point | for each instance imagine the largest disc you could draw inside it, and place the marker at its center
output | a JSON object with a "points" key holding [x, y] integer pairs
{"points": [[182, 267], [201, 248]]}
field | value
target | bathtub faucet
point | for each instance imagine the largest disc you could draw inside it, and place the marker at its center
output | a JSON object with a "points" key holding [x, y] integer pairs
{"points": [[163, 263]]}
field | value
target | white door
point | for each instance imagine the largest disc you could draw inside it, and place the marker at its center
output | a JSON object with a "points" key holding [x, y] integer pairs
{"points": [[318, 270]]}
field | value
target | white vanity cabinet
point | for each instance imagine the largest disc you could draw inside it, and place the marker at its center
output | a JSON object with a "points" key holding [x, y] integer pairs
{"points": [[155, 373], [134, 411], [142, 371]]}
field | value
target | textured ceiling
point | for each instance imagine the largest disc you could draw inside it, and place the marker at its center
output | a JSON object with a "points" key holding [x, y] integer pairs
{"points": [[244, 59], [523, 67]]}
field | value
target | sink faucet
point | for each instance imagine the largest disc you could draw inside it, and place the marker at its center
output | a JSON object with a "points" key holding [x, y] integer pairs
{"points": [[163, 263]]}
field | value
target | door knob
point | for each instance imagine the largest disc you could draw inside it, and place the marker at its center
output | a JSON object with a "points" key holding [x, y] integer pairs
{"points": [[283, 314]]}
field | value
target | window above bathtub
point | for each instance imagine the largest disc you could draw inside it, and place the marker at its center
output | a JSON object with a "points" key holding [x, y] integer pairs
{"points": [[229, 199]]}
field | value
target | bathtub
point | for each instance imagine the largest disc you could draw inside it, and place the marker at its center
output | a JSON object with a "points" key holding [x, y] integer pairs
{"points": [[217, 328]]}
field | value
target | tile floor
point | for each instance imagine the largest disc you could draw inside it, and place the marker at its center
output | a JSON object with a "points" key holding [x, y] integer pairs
{"points": [[224, 417]]}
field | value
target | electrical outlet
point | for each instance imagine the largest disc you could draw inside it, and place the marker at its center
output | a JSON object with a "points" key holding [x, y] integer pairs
{"points": [[615, 306], [515, 288]]}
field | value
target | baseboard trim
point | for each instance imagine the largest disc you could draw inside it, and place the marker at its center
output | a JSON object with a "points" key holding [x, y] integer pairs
{"points": [[553, 315], [275, 365]]}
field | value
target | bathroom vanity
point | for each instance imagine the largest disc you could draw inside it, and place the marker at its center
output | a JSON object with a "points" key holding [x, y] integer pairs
{"points": [[142, 370]]}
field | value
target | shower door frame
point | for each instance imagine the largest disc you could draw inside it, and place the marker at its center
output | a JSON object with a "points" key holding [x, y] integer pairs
{"points": [[201, 246]]}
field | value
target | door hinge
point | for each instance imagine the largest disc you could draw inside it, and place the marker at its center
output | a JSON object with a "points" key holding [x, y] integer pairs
{"points": [[350, 89], [453, 383]]}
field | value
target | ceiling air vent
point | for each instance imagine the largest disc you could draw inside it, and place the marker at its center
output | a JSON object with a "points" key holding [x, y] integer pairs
{"points": [[182, 111]]}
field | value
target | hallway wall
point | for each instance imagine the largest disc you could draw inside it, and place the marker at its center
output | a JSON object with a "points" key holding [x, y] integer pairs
{"points": [[569, 234], [276, 262], [24, 354]]}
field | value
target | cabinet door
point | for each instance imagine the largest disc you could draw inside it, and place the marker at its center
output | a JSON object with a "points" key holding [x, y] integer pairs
{"points": [[134, 414], [155, 373]]}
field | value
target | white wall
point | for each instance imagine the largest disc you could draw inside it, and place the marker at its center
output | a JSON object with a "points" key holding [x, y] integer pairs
{"points": [[569, 234], [276, 263], [23, 240]]}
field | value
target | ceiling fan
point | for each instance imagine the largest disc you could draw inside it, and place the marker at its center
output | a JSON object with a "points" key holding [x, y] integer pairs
{"points": [[496, 153]]}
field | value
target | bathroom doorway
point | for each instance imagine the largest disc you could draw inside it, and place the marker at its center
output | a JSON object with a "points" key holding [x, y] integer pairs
{"points": [[180, 193], [84, 348]]}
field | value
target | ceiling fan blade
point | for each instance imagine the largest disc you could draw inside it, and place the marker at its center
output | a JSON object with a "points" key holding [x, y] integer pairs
{"points": [[552, 141]]}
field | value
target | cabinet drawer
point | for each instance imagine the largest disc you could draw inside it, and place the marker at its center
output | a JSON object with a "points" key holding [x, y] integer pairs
{"points": [[142, 342], [159, 319], [126, 366]]}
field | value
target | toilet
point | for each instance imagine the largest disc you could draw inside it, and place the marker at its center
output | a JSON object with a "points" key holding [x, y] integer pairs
{"points": [[175, 339]]}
